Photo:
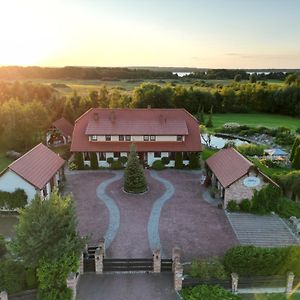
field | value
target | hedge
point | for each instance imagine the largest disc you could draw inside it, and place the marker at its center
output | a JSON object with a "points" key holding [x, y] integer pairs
{"points": [[257, 261], [158, 165], [14, 200]]}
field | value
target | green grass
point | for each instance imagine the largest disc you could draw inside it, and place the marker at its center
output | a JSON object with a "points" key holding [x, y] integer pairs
{"points": [[256, 120], [4, 161], [207, 152], [269, 297], [269, 171]]}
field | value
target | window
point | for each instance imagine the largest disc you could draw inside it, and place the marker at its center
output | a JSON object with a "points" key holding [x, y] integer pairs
{"points": [[94, 138], [108, 138], [116, 154], [146, 138], [121, 138], [128, 138], [152, 138], [157, 154], [179, 138], [102, 156]]}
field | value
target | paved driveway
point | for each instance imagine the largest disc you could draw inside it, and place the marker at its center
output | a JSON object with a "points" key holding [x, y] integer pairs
{"points": [[126, 287], [172, 213]]}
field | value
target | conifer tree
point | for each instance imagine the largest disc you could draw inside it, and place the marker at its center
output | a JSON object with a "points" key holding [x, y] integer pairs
{"points": [[78, 159], [94, 161], [296, 160], [294, 148]]}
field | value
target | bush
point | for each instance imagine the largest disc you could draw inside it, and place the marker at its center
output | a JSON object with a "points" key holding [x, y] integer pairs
{"points": [[165, 160], [213, 191], [245, 205], [158, 165], [251, 150], [73, 166], [123, 160], [178, 160], [3, 249], [14, 200], [110, 160], [208, 269], [209, 292], [116, 165], [194, 160], [258, 261], [94, 161], [78, 160], [232, 206]]}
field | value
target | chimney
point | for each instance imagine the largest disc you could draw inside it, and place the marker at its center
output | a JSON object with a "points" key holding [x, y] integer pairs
{"points": [[96, 116]]}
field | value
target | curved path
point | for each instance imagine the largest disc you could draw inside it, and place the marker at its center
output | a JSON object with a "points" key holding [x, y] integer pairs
{"points": [[113, 210], [153, 223]]}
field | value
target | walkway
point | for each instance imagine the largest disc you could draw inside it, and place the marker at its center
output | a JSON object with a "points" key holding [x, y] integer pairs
{"points": [[126, 287], [265, 231]]}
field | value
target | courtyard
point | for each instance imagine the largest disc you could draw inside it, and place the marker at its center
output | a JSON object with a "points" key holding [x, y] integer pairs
{"points": [[172, 213]]}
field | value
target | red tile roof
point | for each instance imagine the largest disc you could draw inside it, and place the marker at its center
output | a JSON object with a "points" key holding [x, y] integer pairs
{"points": [[37, 166], [136, 122], [64, 126], [228, 165]]}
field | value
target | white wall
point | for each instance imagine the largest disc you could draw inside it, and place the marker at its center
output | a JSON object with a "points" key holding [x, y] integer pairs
{"points": [[138, 138], [152, 159], [10, 181]]}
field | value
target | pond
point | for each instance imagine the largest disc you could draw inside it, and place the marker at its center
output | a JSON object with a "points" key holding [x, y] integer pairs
{"points": [[7, 223], [219, 142]]}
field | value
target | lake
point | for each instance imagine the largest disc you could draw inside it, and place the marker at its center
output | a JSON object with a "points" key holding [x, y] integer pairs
{"points": [[220, 142]]}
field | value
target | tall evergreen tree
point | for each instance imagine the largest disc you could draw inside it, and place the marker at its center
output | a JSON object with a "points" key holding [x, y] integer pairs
{"points": [[209, 123], [178, 160], [134, 177], [78, 159], [296, 160], [294, 148], [94, 161]]}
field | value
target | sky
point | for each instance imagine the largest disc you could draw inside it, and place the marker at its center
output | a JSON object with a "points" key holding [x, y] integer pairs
{"points": [[178, 33]]}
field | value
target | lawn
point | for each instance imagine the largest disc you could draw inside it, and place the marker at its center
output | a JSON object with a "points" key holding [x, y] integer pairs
{"points": [[4, 161], [256, 120]]}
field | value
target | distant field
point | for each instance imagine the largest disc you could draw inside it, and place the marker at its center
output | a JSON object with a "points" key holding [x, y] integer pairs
{"points": [[256, 120], [4, 161]]}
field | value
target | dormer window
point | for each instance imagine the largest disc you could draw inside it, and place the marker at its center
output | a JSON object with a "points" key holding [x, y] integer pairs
{"points": [[94, 138], [108, 138], [128, 138], [152, 138], [146, 138], [179, 138], [121, 138]]}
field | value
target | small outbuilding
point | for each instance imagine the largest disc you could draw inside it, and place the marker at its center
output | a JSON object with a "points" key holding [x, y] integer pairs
{"points": [[276, 154], [38, 171], [234, 176], [60, 133]]}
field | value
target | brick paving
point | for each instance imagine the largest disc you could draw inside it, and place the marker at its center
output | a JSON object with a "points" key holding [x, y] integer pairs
{"points": [[265, 231]]}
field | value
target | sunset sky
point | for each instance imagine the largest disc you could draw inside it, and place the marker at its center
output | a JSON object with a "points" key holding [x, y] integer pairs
{"points": [[192, 33]]}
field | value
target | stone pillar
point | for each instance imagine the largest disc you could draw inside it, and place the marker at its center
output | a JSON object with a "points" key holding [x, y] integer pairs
{"points": [[178, 276], [3, 295], [289, 283], [99, 261], [175, 257], [156, 261], [72, 284], [234, 282], [81, 264], [101, 246]]}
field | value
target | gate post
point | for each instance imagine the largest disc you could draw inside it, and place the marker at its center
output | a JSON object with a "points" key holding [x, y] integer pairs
{"points": [[234, 282], [72, 281], [157, 261], [102, 246], [178, 276], [289, 283], [81, 264], [175, 257], [3, 295], [99, 261]]}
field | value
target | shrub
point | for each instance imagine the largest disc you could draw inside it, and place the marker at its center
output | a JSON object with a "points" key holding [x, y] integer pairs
{"points": [[251, 150], [110, 160], [14, 200], [158, 165], [211, 292], [165, 160], [258, 261], [213, 191], [194, 160], [294, 148], [94, 161], [3, 249], [208, 269], [73, 166], [134, 177], [123, 160], [296, 159], [78, 160], [245, 205], [232, 206], [178, 160], [116, 165]]}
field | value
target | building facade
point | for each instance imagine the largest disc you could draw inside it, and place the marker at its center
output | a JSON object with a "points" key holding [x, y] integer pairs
{"points": [[156, 133]]}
